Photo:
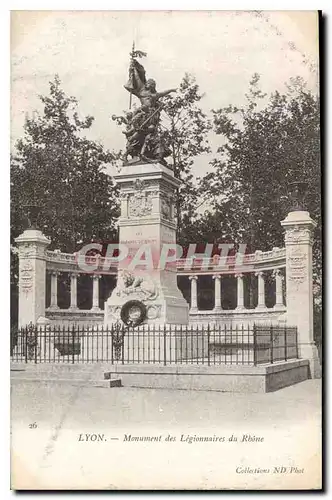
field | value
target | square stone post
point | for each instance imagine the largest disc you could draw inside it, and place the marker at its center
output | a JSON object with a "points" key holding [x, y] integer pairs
{"points": [[32, 276], [299, 295]]}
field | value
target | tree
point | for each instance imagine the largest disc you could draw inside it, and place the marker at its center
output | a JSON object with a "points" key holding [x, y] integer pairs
{"points": [[63, 172], [55, 167], [185, 134], [268, 144]]}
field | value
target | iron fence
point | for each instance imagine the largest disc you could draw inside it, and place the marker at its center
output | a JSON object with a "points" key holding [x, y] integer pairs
{"points": [[184, 344]]}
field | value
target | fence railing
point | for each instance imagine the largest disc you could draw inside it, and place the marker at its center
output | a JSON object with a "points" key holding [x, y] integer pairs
{"points": [[171, 344]]}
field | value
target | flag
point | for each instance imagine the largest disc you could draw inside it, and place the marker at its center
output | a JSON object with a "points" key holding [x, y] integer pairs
{"points": [[137, 77]]}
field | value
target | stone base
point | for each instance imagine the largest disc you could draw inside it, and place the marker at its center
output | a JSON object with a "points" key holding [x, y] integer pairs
{"points": [[164, 345], [310, 352], [236, 318], [147, 223], [224, 378], [171, 309], [261, 308]]}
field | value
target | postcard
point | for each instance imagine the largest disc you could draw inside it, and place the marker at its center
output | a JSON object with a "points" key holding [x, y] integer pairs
{"points": [[166, 241]]}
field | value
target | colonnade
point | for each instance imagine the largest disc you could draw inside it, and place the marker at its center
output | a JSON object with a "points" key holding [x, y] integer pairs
{"points": [[73, 291], [193, 296], [240, 291]]}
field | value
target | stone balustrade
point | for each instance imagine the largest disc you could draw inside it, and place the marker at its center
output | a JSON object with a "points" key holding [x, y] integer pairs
{"points": [[232, 264], [236, 266]]}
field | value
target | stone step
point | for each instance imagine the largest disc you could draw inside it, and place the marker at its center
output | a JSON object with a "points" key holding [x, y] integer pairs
{"points": [[106, 383], [76, 382], [58, 371], [86, 376], [114, 382]]}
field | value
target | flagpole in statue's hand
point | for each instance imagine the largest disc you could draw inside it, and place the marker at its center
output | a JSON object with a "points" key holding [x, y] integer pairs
{"points": [[136, 73], [131, 70]]}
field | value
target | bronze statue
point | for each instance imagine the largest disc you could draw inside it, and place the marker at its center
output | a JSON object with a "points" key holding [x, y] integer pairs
{"points": [[144, 90], [144, 142]]}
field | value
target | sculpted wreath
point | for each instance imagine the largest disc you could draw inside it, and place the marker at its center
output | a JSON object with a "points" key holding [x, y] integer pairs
{"points": [[133, 312]]}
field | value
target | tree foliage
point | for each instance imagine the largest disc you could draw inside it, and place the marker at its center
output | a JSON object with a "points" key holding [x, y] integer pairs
{"points": [[185, 134], [63, 172], [266, 144]]}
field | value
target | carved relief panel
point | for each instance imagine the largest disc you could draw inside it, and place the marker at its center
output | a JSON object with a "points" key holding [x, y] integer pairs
{"points": [[298, 235], [26, 276], [297, 266], [139, 204], [139, 201]]}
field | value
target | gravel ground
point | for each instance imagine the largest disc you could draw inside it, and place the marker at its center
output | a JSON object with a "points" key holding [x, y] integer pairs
{"points": [[51, 455], [46, 402]]}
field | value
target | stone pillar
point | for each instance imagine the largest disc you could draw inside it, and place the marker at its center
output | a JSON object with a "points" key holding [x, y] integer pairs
{"points": [[299, 295], [95, 292], [240, 292], [193, 295], [32, 276], [54, 290], [261, 290], [147, 228], [73, 291], [217, 292], [279, 298]]}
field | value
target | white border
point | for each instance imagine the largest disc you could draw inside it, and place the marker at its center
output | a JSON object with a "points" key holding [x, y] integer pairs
{"points": [[166, 5], [4, 185]]}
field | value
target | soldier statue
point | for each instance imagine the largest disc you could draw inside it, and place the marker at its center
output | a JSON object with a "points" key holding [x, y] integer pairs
{"points": [[144, 141]]}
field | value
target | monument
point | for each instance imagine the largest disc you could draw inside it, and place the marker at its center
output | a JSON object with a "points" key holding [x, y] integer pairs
{"points": [[147, 224], [299, 228]]}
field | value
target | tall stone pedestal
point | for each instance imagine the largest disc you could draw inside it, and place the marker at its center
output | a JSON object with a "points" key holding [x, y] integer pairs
{"points": [[32, 276], [298, 240], [146, 225]]}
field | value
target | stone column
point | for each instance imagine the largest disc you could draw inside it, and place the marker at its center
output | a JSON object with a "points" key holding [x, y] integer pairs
{"points": [[95, 292], [279, 298], [261, 290], [32, 246], [193, 296], [54, 290], [240, 292], [299, 294], [73, 291], [217, 292]]}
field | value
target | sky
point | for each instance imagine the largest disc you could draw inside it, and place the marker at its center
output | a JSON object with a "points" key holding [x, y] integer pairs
{"points": [[89, 50]]}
